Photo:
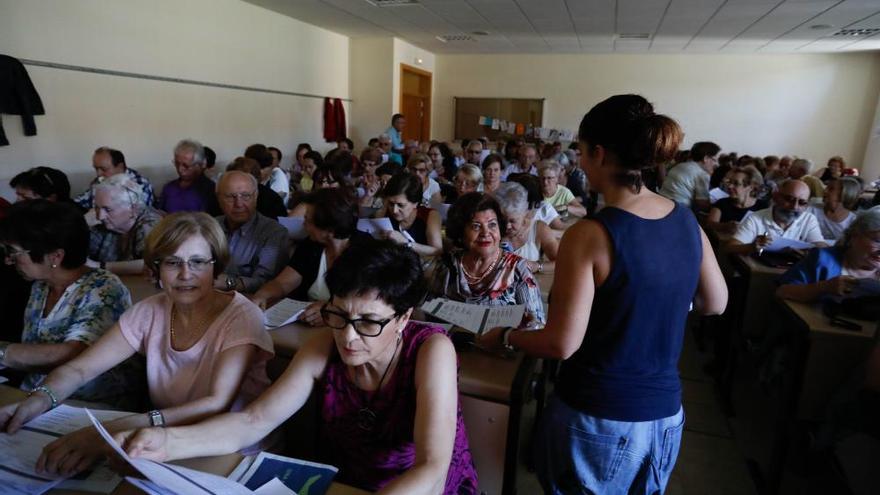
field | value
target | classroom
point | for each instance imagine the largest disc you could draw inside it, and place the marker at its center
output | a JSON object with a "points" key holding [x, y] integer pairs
{"points": [[440, 246]]}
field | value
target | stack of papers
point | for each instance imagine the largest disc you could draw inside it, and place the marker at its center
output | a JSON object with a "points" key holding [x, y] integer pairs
{"points": [[475, 317], [19, 454], [300, 476], [284, 312], [781, 243]]}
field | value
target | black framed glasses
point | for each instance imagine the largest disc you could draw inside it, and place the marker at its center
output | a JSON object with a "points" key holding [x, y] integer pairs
{"points": [[363, 326]]}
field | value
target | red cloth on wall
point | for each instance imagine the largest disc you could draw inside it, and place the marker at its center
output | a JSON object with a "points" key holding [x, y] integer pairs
{"points": [[329, 121], [339, 110]]}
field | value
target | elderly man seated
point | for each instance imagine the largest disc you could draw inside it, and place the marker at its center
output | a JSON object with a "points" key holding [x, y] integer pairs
{"points": [[787, 218], [117, 243], [192, 190], [257, 244], [527, 156], [107, 163]]}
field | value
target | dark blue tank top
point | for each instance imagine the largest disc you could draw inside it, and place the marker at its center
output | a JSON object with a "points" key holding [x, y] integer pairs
{"points": [[627, 366]]}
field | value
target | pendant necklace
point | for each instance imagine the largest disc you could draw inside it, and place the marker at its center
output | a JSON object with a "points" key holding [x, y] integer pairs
{"points": [[366, 416]]}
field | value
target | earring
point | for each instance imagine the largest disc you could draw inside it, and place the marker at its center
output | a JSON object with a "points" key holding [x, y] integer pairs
{"points": [[54, 265]]}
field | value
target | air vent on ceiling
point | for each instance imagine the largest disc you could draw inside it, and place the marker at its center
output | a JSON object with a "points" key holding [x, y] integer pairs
{"points": [[392, 3], [857, 32], [634, 36], [455, 37]]}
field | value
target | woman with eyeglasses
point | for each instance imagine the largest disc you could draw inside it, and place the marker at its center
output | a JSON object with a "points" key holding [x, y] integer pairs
{"points": [[414, 225], [840, 198], [836, 271], [389, 412], [468, 179], [70, 305], [207, 349], [743, 185], [419, 165]]}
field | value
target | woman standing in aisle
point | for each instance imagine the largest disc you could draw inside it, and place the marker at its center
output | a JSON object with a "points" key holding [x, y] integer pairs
{"points": [[614, 424]]}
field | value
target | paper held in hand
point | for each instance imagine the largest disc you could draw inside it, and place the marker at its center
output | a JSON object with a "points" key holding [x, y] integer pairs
{"points": [[781, 243], [284, 312], [475, 317]]}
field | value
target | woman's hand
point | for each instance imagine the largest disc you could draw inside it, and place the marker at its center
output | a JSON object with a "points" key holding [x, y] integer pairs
{"points": [[491, 340], [839, 286], [393, 235], [13, 416], [258, 300], [72, 453], [312, 314], [146, 443]]}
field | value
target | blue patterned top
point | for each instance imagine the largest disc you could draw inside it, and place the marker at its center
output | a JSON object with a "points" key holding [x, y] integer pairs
{"points": [[86, 310]]}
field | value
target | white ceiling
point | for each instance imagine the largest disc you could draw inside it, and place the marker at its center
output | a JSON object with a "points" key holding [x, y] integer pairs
{"points": [[594, 26]]}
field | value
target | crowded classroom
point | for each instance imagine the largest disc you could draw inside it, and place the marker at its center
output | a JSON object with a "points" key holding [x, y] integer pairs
{"points": [[440, 247]]}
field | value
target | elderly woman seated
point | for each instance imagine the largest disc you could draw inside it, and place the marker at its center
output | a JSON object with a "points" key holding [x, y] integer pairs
{"points": [[117, 243], [743, 185], [415, 226], [525, 236], [468, 179], [206, 349], [841, 198], [835, 271], [541, 210], [477, 270], [389, 413], [71, 305], [331, 223], [559, 197]]}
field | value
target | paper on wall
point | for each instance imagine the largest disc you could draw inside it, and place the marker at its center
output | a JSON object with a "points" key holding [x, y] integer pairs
{"points": [[475, 317]]}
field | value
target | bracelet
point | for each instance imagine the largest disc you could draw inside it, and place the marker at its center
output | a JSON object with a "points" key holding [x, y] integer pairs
{"points": [[46, 390], [540, 266], [505, 339]]}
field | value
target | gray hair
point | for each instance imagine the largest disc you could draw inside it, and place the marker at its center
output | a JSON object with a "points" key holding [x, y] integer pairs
{"points": [[803, 163], [512, 197], [129, 188], [572, 157], [850, 190], [550, 165], [866, 221], [384, 137], [192, 146], [234, 173], [471, 172]]}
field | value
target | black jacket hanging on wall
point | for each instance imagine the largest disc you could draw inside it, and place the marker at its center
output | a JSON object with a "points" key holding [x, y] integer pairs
{"points": [[18, 96]]}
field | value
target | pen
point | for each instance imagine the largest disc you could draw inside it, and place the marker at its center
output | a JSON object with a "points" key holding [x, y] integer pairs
{"points": [[761, 249]]}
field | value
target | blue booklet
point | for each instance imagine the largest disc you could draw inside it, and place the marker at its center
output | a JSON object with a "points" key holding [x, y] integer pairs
{"points": [[303, 477]]}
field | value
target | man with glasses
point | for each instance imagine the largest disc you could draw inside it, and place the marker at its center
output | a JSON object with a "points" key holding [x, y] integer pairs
{"points": [[527, 156], [473, 153], [257, 244], [787, 218]]}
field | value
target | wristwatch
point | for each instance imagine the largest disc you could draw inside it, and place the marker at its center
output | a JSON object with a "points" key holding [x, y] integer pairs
{"points": [[505, 339], [231, 281], [3, 346], [156, 418]]}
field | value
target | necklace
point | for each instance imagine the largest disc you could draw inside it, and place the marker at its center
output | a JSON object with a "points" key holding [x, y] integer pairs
{"points": [[366, 416], [474, 279], [198, 325]]}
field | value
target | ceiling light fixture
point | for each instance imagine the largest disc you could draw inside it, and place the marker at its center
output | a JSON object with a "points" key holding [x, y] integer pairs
{"points": [[821, 26], [857, 32], [480, 33], [634, 36], [392, 3]]}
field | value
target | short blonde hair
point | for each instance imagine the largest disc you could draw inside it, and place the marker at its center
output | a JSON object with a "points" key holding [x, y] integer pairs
{"points": [[175, 229], [550, 165], [472, 173]]}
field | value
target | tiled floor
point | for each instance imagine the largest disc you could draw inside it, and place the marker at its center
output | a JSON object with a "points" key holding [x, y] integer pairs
{"points": [[709, 461]]}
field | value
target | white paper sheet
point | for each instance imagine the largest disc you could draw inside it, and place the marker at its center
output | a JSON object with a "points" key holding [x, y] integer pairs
{"points": [[374, 226], [177, 479], [294, 226], [3, 379], [781, 243], [274, 487], [443, 210], [716, 194], [284, 312], [18, 456], [474, 317]]}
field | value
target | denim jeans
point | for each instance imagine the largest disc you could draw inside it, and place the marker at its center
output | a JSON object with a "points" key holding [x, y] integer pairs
{"points": [[582, 454]]}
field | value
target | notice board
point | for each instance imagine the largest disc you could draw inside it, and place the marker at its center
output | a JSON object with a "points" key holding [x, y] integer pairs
{"points": [[519, 110]]}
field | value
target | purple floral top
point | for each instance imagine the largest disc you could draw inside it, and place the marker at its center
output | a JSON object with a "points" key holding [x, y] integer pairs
{"points": [[372, 459]]}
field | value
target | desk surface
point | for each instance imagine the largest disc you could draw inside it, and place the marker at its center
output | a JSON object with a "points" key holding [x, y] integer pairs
{"points": [[221, 465], [482, 374], [757, 267], [818, 323], [139, 286]]}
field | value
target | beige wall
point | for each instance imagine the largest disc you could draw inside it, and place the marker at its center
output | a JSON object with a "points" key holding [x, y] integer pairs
{"points": [[871, 167], [405, 53], [372, 64], [223, 41], [811, 105]]}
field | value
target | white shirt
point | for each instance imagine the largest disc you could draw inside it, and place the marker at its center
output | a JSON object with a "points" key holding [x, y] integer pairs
{"points": [[685, 183], [805, 227], [319, 290], [514, 168], [279, 183], [530, 250], [546, 213], [831, 230], [432, 189]]}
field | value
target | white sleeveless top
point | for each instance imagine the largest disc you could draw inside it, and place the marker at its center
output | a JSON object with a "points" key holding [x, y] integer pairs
{"points": [[530, 250]]}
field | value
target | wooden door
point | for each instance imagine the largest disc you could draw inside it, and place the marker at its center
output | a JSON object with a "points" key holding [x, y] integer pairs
{"points": [[415, 102]]}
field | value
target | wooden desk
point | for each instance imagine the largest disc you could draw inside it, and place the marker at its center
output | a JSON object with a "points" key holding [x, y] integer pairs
{"points": [[139, 286], [496, 392], [220, 465], [760, 287]]}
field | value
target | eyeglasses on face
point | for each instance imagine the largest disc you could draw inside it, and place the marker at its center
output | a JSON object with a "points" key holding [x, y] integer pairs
{"points": [[362, 326], [175, 264], [10, 253], [244, 196]]}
